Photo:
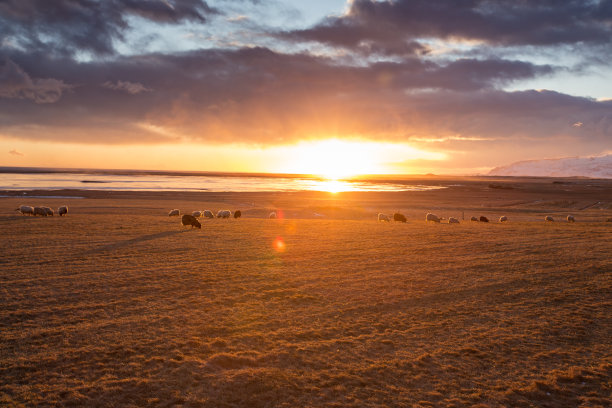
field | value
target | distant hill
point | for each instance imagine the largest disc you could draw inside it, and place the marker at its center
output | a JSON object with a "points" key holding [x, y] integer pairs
{"points": [[596, 167]]}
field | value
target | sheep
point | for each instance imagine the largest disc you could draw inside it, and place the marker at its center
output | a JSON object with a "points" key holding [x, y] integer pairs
{"points": [[49, 211], [570, 218], [399, 217], [190, 220], [453, 220], [237, 214], [549, 218], [224, 214], [474, 219], [383, 217], [174, 213], [25, 209], [272, 215], [62, 210], [432, 217], [483, 219], [503, 218], [40, 211], [208, 214], [196, 214]]}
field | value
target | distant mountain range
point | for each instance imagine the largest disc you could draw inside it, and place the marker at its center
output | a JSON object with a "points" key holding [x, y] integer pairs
{"points": [[595, 167]]}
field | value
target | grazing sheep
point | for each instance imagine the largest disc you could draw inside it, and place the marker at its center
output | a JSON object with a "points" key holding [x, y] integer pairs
{"points": [[224, 214], [25, 209], [474, 219], [399, 217], [196, 214], [190, 220], [483, 219], [570, 218], [453, 220], [208, 214], [49, 211], [549, 218], [174, 213], [432, 217], [503, 218], [40, 211], [383, 217], [272, 215], [62, 210], [237, 214]]}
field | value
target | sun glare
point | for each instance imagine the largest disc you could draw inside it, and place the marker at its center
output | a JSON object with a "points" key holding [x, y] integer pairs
{"points": [[334, 186], [335, 159]]}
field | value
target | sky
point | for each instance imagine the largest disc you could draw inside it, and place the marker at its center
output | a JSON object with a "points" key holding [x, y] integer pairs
{"points": [[327, 87]]}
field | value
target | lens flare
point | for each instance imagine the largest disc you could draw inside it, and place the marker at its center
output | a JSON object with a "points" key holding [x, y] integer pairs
{"points": [[279, 244]]}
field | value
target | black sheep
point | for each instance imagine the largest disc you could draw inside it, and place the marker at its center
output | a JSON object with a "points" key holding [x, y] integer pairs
{"points": [[399, 217], [191, 220]]}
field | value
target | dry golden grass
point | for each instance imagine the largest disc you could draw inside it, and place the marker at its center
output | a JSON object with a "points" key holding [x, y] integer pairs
{"points": [[116, 304]]}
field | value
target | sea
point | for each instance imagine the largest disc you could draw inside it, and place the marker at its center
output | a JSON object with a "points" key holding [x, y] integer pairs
{"points": [[20, 178]]}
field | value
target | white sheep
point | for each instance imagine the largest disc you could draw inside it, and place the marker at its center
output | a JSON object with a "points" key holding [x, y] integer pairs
{"points": [[208, 214], [453, 220], [40, 211], [224, 214], [570, 218], [62, 210], [25, 209], [432, 217], [383, 217], [272, 215], [474, 219], [503, 218], [49, 211], [196, 214], [549, 218], [174, 213]]}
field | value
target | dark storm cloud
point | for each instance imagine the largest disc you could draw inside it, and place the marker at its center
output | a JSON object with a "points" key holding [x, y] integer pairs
{"points": [[260, 96], [497, 22], [68, 26]]}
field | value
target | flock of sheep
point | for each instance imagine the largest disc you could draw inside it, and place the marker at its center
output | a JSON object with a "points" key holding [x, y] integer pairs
{"points": [[452, 220], [192, 220], [41, 210]]}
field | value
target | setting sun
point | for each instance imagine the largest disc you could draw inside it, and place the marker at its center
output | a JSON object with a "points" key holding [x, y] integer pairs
{"points": [[335, 159]]}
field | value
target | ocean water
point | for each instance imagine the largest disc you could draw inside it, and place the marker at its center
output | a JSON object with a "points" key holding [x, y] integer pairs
{"points": [[217, 182]]}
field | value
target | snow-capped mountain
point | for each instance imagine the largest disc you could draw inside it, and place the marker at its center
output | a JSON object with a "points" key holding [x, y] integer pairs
{"points": [[596, 167]]}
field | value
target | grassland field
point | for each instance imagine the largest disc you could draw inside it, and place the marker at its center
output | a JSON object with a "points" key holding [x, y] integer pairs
{"points": [[118, 305]]}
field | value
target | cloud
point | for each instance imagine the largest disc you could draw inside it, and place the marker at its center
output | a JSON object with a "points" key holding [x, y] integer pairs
{"points": [[16, 83], [384, 78], [15, 153], [260, 96], [66, 27], [132, 88], [392, 24]]}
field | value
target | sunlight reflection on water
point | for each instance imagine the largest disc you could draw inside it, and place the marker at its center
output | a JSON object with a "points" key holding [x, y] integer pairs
{"points": [[150, 182]]}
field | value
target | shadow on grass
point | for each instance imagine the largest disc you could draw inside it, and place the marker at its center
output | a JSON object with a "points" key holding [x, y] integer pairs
{"points": [[144, 238]]}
